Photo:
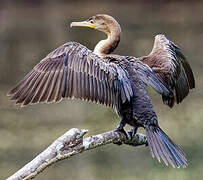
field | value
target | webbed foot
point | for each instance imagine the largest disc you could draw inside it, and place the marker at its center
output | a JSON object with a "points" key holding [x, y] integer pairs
{"points": [[120, 128], [132, 132]]}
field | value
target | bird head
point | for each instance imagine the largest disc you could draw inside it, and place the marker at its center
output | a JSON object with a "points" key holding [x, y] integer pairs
{"points": [[101, 22]]}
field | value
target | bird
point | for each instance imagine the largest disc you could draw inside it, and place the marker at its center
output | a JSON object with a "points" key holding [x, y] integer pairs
{"points": [[120, 82]]}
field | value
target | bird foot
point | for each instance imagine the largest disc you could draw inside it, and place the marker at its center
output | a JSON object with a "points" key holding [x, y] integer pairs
{"points": [[132, 132], [119, 129]]}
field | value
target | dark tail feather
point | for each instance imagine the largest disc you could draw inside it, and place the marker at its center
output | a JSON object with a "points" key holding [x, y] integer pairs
{"points": [[163, 148], [168, 100]]}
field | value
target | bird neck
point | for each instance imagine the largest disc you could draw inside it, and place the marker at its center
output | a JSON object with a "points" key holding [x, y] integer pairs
{"points": [[108, 45]]}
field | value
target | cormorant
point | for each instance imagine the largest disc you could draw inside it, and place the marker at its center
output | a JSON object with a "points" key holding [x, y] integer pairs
{"points": [[74, 71]]}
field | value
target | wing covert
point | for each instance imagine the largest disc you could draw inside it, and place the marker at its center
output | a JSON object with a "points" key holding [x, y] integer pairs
{"points": [[150, 78]]}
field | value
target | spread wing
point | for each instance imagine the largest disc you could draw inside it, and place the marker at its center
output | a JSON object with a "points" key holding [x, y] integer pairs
{"points": [[149, 78], [171, 67], [73, 71]]}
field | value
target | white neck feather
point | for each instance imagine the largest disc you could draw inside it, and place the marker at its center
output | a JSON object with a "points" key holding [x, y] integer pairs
{"points": [[98, 50]]}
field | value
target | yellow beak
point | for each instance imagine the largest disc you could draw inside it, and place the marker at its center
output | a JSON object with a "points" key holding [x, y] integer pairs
{"points": [[83, 24]]}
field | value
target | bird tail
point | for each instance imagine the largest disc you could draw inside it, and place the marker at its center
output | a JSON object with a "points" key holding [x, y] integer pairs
{"points": [[168, 100], [162, 147]]}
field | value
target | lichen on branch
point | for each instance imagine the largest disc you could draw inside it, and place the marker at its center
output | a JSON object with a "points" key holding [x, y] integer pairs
{"points": [[70, 144]]}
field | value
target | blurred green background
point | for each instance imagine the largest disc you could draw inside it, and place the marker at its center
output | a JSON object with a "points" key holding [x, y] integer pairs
{"points": [[31, 29]]}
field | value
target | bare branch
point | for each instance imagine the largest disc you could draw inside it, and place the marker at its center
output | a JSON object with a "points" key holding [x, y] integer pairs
{"points": [[70, 144]]}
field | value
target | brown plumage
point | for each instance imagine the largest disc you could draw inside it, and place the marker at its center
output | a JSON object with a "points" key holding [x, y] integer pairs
{"points": [[170, 65], [73, 71]]}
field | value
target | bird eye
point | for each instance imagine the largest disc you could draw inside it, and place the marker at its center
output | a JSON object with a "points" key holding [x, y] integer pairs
{"points": [[91, 21]]}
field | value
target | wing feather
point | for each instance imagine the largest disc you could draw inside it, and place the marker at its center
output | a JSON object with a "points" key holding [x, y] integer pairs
{"points": [[39, 88], [21, 94], [60, 83], [170, 65], [53, 87], [73, 71]]}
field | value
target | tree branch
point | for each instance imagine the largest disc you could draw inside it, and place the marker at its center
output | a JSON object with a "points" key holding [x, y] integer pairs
{"points": [[72, 143]]}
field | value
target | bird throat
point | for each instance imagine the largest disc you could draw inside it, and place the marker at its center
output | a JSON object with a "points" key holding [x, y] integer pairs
{"points": [[108, 45]]}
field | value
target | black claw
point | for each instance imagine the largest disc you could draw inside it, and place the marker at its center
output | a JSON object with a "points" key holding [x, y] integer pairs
{"points": [[118, 129], [132, 132], [121, 130]]}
